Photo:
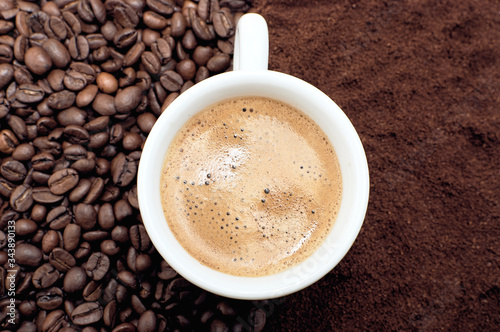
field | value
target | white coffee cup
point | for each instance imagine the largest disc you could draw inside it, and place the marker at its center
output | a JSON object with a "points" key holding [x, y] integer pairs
{"points": [[251, 78]]}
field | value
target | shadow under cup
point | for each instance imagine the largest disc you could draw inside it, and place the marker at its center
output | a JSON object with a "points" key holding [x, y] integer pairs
{"points": [[311, 101]]}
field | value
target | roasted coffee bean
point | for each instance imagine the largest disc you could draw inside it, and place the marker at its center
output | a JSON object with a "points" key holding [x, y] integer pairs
{"points": [[137, 304], [108, 30], [76, 134], [6, 54], [61, 163], [29, 93], [145, 121], [56, 79], [97, 124], [74, 80], [127, 99], [38, 213], [61, 100], [83, 250], [189, 41], [134, 54], [72, 116], [45, 276], [219, 62], [50, 240], [94, 236], [86, 96], [18, 126], [61, 259], [257, 319], [85, 216], [120, 234], [87, 313], [226, 45], [43, 161], [6, 26], [154, 20], [92, 291], [43, 195], [99, 140], [200, 27], [116, 133], [46, 145], [132, 141], [162, 50], [25, 227], [106, 217], [28, 308], [21, 198], [109, 247], [123, 170], [150, 62], [55, 321], [150, 36], [89, 10], [37, 60], [165, 7], [28, 255], [181, 52], [8, 141], [58, 54], [109, 314], [6, 74], [85, 69], [80, 191], [126, 16], [178, 24], [171, 80], [125, 37], [101, 54], [97, 266], [109, 151], [49, 299], [104, 104], [223, 23], [45, 125], [62, 181], [147, 322], [143, 80], [75, 279], [59, 217], [13, 170], [55, 28], [95, 191], [107, 83], [6, 187], [187, 69], [78, 47], [122, 210], [96, 40], [128, 78], [22, 75], [139, 238], [20, 47], [71, 237]]}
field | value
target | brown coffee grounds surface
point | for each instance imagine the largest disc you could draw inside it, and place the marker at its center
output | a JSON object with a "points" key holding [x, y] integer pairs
{"points": [[420, 81]]}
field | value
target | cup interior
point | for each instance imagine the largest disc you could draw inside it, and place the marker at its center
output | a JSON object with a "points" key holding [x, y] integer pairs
{"points": [[296, 93]]}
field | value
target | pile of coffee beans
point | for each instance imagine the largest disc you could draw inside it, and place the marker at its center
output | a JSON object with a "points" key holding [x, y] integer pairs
{"points": [[81, 85]]}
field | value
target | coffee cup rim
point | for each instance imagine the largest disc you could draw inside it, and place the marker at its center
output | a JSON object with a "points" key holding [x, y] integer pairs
{"points": [[278, 86]]}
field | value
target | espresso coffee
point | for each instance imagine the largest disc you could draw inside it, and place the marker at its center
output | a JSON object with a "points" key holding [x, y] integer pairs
{"points": [[251, 186]]}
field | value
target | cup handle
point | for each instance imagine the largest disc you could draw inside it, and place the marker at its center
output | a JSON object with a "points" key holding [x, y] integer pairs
{"points": [[251, 43]]}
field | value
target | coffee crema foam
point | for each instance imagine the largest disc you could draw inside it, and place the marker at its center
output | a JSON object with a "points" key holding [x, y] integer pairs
{"points": [[250, 186]]}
